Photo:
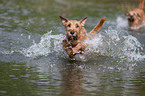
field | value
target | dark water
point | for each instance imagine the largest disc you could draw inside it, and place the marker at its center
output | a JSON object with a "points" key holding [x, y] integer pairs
{"points": [[33, 63]]}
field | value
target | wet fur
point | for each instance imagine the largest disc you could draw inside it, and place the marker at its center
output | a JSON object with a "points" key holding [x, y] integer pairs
{"points": [[76, 34], [136, 16]]}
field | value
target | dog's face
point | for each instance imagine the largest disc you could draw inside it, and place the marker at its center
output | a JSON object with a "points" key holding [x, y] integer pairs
{"points": [[132, 16], [73, 27]]}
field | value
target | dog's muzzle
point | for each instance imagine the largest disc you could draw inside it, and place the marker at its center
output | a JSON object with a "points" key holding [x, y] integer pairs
{"points": [[131, 19], [72, 36]]}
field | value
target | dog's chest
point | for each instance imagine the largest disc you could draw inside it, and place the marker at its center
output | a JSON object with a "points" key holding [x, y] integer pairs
{"points": [[73, 43]]}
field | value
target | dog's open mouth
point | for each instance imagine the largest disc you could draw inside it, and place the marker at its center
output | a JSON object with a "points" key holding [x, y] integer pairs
{"points": [[131, 19], [73, 38]]}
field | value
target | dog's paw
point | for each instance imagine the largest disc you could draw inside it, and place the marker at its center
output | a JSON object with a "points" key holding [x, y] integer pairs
{"points": [[82, 52], [74, 51]]}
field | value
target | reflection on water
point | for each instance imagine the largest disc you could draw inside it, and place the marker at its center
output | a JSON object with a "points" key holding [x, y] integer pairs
{"points": [[14, 79], [33, 63], [72, 80]]}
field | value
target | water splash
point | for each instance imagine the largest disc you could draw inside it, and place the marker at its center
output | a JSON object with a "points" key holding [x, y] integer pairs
{"points": [[117, 44], [112, 42], [49, 44], [121, 22]]}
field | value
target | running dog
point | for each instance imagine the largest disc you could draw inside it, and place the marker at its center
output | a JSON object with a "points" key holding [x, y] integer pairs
{"points": [[136, 17], [76, 35]]}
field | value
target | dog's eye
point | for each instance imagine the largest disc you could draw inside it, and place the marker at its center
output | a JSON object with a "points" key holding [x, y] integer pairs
{"points": [[68, 25], [77, 26]]}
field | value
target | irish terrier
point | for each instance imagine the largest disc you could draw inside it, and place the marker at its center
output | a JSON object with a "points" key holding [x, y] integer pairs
{"points": [[76, 35], [136, 17]]}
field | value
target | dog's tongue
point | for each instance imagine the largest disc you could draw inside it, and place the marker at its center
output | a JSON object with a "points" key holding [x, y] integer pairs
{"points": [[131, 19], [72, 38]]}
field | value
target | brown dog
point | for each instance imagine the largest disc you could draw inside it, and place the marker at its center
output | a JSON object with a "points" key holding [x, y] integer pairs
{"points": [[136, 17], [76, 34]]}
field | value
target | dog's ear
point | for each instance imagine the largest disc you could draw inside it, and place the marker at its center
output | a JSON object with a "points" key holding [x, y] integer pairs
{"points": [[83, 21], [63, 20], [127, 13]]}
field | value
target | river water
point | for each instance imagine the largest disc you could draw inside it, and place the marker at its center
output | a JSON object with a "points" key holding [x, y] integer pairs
{"points": [[33, 63]]}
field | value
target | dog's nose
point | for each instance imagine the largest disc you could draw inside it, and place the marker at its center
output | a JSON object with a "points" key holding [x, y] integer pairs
{"points": [[72, 32]]}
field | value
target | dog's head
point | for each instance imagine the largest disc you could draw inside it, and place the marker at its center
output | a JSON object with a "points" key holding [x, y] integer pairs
{"points": [[73, 27], [132, 16]]}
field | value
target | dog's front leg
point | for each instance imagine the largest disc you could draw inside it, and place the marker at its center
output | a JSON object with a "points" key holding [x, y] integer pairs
{"points": [[79, 48], [68, 48]]}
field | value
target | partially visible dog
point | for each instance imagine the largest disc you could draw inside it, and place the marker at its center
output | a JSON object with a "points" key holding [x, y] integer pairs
{"points": [[136, 17], [76, 34]]}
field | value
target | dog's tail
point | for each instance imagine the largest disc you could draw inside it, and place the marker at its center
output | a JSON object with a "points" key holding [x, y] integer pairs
{"points": [[98, 26], [141, 4]]}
